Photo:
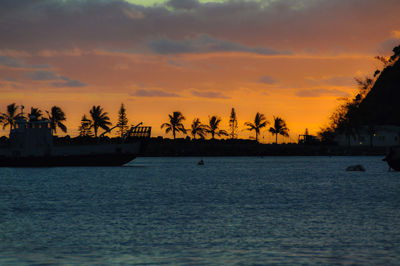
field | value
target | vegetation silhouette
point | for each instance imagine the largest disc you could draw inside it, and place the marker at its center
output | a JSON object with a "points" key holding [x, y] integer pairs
{"points": [[233, 124], [35, 114], [8, 118], [57, 117], [85, 129], [375, 103], [213, 127], [99, 119], [175, 124], [198, 129], [259, 122], [279, 128], [122, 121]]}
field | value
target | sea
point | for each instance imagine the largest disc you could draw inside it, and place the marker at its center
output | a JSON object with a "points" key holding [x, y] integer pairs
{"points": [[229, 211]]}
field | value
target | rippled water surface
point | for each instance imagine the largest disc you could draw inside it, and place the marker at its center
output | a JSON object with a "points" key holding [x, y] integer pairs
{"points": [[239, 210]]}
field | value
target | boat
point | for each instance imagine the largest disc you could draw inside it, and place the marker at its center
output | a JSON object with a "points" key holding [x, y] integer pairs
{"points": [[393, 158], [31, 144]]}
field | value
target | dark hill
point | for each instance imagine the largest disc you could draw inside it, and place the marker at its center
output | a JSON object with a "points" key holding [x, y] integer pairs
{"points": [[381, 106]]}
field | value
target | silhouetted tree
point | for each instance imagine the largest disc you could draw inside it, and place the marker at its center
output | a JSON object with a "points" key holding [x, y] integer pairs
{"points": [[57, 117], [259, 122], [122, 121], [10, 116], [213, 127], [198, 129], [35, 114], [85, 130], [345, 120], [233, 124], [279, 128], [99, 119], [175, 124]]}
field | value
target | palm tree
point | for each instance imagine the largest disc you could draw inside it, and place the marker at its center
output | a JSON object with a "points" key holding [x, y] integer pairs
{"points": [[175, 124], [198, 129], [259, 122], [99, 119], [10, 116], [56, 117], [213, 125], [35, 114], [279, 128]]}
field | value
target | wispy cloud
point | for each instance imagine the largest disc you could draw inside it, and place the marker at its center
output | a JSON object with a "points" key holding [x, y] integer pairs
{"points": [[321, 92], [62, 81], [267, 79], [68, 83], [14, 62], [153, 93], [209, 94], [204, 44]]}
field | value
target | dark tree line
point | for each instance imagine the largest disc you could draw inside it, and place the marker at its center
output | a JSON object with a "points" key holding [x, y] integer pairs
{"points": [[198, 129]]}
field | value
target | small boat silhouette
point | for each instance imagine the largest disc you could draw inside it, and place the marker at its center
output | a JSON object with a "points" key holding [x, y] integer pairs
{"points": [[201, 162]]}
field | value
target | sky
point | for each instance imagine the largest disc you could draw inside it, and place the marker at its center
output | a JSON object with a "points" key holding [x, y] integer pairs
{"points": [[289, 58]]}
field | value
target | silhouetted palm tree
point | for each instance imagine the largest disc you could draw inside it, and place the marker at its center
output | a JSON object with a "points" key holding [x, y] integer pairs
{"points": [[279, 128], [213, 127], [259, 122], [99, 119], [56, 117], [35, 114], [175, 124], [10, 116], [198, 129]]}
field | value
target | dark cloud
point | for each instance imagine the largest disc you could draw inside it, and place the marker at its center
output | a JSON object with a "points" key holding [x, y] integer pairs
{"points": [[62, 81], [153, 93], [267, 80], [261, 26], [10, 62], [183, 4], [209, 94], [69, 83], [322, 92], [46, 75], [17, 63], [203, 44]]}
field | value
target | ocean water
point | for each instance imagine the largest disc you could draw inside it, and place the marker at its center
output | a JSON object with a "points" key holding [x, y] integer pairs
{"points": [[232, 210]]}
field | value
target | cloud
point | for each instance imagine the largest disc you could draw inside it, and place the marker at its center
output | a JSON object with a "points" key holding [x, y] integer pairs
{"points": [[393, 41], [267, 80], [45, 75], [333, 80], [240, 25], [209, 94], [311, 93], [62, 81], [10, 62], [183, 4], [13, 62], [69, 83], [203, 44], [153, 93]]}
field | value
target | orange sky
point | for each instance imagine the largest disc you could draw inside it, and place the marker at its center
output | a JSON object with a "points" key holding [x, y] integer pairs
{"points": [[281, 59]]}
